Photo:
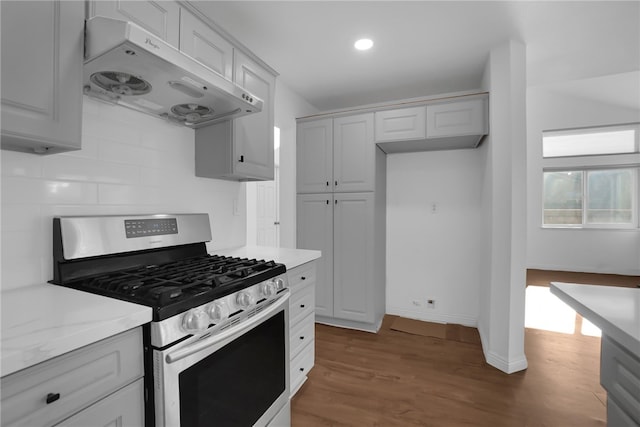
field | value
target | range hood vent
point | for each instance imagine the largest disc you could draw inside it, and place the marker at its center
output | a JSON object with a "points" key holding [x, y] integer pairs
{"points": [[127, 65]]}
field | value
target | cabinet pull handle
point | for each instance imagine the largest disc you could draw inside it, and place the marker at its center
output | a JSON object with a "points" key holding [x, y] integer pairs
{"points": [[336, 202], [52, 397], [327, 202], [241, 159], [301, 369], [301, 305], [336, 183], [303, 278], [301, 338], [327, 183]]}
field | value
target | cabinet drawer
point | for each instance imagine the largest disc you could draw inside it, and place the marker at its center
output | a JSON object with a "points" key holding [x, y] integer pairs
{"points": [[300, 367], [620, 376], [302, 303], [123, 408], [72, 381], [301, 275], [301, 335]]}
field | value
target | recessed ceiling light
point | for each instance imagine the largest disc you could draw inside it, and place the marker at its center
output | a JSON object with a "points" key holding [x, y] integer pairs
{"points": [[363, 44]]}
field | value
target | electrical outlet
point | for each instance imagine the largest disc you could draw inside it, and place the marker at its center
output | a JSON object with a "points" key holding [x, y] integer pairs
{"points": [[431, 303]]}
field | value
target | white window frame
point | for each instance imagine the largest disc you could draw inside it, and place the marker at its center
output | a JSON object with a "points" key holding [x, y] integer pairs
{"points": [[586, 163]]}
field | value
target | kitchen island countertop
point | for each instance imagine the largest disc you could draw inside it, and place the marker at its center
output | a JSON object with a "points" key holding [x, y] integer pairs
{"points": [[42, 321], [615, 310], [291, 258]]}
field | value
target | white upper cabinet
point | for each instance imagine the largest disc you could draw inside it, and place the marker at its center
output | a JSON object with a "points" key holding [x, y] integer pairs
{"points": [[401, 124], [42, 48], [161, 18], [254, 133], [353, 153], [315, 156], [457, 119], [202, 43], [242, 149], [336, 155]]}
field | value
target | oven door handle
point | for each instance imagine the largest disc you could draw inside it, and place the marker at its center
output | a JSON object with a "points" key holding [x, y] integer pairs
{"points": [[241, 327]]}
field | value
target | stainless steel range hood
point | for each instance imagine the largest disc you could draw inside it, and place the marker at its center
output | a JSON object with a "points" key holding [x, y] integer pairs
{"points": [[127, 65]]}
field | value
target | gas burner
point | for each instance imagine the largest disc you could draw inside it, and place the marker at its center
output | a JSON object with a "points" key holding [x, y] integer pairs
{"points": [[120, 83]]}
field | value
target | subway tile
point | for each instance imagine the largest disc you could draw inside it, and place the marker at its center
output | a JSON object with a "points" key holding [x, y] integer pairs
{"points": [[23, 271], [20, 217], [112, 151], [74, 169], [15, 163], [111, 194], [17, 190]]}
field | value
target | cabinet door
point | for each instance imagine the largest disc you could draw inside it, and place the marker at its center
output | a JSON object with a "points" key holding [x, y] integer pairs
{"points": [[253, 134], [123, 408], [42, 47], [205, 45], [457, 118], [161, 18], [314, 156], [315, 231], [353, 153], [353, 256], [402, 124]]}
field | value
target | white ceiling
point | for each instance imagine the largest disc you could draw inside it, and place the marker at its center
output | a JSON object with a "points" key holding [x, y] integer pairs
{"points": [[424, 48]]}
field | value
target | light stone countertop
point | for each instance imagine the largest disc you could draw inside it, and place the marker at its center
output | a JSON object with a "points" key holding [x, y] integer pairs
{"points": [[43, 321], [615, 310], [291, 258]]}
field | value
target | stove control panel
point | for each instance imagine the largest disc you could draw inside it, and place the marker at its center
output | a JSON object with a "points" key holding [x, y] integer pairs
{"points": [[150, 227]]}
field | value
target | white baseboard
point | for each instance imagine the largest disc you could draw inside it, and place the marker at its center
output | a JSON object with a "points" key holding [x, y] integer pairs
{"points": [[499, 362], [433, 317]]}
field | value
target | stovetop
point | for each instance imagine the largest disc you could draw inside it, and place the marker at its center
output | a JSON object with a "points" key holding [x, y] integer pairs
{"points": [[177, 286]]}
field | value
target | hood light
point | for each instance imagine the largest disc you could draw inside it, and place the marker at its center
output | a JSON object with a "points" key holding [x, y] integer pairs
{"points": [[363, 44]]}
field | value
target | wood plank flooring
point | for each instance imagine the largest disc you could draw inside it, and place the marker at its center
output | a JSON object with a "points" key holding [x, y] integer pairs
{"points": [[544, 277], [397, 379]]}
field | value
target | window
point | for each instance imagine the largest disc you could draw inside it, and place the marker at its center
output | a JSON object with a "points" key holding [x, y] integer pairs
{"points": [[590, 177]]}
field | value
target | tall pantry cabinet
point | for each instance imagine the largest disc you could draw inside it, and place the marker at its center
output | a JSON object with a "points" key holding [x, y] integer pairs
{"points": [[341, 179]]}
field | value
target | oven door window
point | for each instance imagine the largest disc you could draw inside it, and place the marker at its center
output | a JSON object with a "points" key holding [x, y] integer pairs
{"points": [[235, 385]]}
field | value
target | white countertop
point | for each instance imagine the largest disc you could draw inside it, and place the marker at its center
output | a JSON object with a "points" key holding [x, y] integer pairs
{"points": [[291, 258], [615, 310], [43, 321], [40, 322]]}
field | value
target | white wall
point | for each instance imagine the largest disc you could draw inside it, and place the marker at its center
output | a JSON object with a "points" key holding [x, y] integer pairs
{"points": [[130, 163], [289, 105], [434, 255], [597, 251], [502, 280]]}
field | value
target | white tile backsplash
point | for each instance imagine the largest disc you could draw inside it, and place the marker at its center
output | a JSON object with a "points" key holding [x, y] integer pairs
{"points": [[130, 163]]}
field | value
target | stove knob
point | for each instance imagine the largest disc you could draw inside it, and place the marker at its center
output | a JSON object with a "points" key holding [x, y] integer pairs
{"points": [[268, 289], [217, 311], [279, 284], [195, 321], [244, 299]]}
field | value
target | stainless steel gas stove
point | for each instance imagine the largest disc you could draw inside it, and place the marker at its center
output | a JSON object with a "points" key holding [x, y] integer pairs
{"points": [[216, 350]]}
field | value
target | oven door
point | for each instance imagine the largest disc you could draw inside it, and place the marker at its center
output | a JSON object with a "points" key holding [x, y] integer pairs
{"points": [[238, 376]]}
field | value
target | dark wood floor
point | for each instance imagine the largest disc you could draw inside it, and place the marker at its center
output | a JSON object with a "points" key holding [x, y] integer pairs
{"points": [[543, 277], [396, 379]]}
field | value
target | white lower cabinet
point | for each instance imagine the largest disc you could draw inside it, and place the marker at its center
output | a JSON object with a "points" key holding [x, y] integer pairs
{"points": [[302, 281], [102, 381], [121, 409]]}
